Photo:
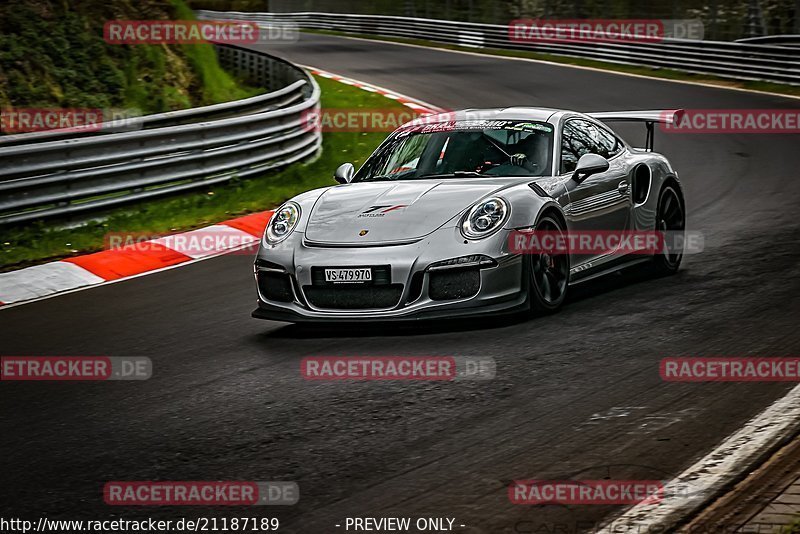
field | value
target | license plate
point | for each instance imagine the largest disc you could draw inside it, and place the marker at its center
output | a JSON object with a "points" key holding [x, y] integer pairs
{"points": [[348, 276]]}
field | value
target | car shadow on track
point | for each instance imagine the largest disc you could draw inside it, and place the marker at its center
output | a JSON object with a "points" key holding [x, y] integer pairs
{"points": [[584, 291]]}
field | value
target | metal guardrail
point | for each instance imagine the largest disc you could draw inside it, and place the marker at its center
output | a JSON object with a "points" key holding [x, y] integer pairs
{"points": [[44, 177], [734, 60], [783, 40], [258, 104]]}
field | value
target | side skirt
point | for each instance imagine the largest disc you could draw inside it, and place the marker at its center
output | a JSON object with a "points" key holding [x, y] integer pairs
{"points": [[586, 271]]}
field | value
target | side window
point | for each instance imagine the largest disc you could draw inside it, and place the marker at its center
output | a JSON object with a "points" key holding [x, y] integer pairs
{"points": [[581, 137], [576, 141], [609, 145]]}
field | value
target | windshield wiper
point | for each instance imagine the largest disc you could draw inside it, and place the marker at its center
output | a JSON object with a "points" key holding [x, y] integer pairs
{"points": [[456, 174]]}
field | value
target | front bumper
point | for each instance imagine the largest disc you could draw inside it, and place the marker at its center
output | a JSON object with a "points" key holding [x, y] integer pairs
{"points": [[499, 286]]}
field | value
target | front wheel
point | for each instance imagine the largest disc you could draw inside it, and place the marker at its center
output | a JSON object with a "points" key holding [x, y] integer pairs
{"points": [[548, 272]]}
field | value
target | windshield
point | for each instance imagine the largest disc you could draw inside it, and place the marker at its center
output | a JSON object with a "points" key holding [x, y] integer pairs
{"points": [[463, 149]]}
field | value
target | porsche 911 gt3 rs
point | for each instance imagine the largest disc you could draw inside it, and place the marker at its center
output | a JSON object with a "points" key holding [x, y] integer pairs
{"points": [[422, 229]]}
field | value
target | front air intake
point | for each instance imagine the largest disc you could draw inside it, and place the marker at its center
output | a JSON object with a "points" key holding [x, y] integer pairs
{"points": [[275, 286], [454, 284], [366, 297]]}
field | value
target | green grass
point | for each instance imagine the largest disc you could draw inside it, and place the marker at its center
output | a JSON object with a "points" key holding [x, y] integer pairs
{"points": [[40, 242], [667, 74], [217, 84]]}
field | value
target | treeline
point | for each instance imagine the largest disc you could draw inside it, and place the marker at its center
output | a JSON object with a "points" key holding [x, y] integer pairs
{"points": [[723, 19]]}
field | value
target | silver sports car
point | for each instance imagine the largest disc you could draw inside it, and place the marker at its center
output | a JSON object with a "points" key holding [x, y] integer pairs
{"points": [[426, 228]]}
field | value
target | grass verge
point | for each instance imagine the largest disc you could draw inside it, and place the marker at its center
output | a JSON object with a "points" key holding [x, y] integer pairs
{"points": [[40, 242], [217, 84], [665, 74]]}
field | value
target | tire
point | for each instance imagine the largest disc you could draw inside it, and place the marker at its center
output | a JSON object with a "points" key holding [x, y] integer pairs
{"points": [[547, 274], [670, 217]]}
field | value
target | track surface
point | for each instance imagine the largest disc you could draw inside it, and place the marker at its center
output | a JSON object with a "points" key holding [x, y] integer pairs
{"points": [[577, 395]]}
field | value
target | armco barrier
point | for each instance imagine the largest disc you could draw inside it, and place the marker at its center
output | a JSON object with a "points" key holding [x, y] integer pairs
{"points": [[735, 60], [55, 173]]}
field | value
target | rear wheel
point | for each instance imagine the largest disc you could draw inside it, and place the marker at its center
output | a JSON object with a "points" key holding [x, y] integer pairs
{"points": [[548, 273], [671, 221]]}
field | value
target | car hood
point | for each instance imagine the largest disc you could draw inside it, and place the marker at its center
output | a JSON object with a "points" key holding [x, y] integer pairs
{"points": [[386, 212]]}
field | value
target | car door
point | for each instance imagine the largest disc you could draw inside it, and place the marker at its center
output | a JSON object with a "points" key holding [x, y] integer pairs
{"points": [[600, 202]]}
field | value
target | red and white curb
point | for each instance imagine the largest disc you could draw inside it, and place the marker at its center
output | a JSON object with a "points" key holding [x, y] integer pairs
{"points": [[129, 261], [80, 272], [417, 105]]}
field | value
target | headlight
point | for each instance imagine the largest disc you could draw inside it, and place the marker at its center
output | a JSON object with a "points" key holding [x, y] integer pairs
{"points": [[282, 223], [485, 218]]}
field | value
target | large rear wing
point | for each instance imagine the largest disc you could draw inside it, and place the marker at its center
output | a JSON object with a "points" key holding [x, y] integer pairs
{"points": [[650, 118]]}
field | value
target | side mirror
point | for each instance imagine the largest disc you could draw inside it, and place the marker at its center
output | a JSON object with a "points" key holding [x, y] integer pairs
{"points": [[344, 174], [588, 165]]}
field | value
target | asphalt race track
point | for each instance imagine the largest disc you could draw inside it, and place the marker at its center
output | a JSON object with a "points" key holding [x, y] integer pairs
{"points": [[577, 394]]}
